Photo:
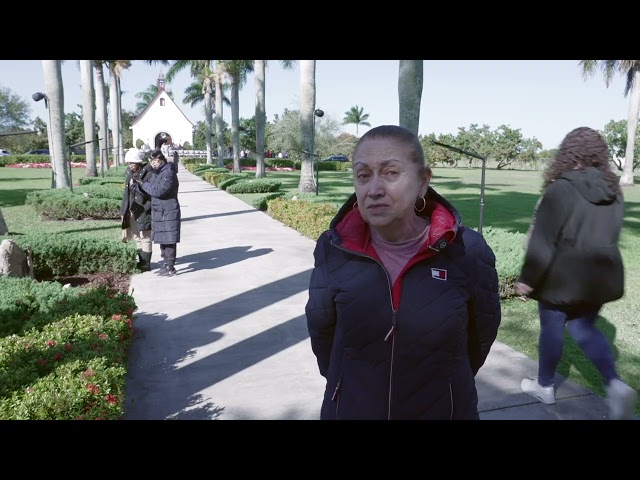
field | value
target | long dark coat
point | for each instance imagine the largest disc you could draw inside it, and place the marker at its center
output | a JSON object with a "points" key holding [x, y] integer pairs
{"points": [[140, 204], [165, 208]]}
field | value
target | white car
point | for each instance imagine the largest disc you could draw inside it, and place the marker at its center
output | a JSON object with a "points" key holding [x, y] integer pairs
{"points": [[4, 153]]}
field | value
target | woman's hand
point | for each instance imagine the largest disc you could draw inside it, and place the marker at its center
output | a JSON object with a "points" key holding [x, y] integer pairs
{"points": [[523, 289]]}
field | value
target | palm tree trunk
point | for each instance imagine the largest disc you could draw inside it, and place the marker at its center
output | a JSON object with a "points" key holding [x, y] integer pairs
{"points": [[88, 115], [410, 93], [101, 114], [235, 122], [54, 89], [113, 107], [261, 117], [219, 119], [307, 106], [632, 125], [208, 111], [120, 133]]}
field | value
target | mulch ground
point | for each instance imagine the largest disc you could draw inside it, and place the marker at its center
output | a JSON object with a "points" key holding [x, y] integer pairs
{"points": [[114, 281]]}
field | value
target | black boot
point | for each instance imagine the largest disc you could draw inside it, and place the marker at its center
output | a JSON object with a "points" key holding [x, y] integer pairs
{"points": [[145, 261]]}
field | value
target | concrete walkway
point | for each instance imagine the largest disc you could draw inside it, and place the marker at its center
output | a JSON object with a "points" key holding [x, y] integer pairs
{"points": [[226, 337]]}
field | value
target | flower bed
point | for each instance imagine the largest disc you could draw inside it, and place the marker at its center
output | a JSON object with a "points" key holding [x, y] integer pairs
{"points": [[43, 165]]}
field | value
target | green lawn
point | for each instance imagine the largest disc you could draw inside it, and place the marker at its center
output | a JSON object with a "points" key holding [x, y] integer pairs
{"points": [[509, 200]]}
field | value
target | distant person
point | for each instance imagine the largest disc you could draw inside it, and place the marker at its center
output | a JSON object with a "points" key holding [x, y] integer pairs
{"points": [[166, 216], [165, 150], [403, 299], [135, 210], [573, 265]]}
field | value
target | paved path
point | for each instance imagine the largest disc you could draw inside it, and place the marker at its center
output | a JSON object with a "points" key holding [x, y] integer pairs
{"points": [[226, 337]]}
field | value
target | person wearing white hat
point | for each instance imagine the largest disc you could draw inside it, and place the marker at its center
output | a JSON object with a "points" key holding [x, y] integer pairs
{"points": [[135, 210]]}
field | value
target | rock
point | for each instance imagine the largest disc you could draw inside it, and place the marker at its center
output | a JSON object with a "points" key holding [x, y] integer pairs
{"points": [[3, 225], [15, 262]]}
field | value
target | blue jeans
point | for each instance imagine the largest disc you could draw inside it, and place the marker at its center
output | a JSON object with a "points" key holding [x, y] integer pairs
{"points": [[581, 325]]}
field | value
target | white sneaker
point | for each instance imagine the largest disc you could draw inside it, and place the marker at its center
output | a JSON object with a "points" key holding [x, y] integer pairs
{"points": [[537, 391], [621, 400]]}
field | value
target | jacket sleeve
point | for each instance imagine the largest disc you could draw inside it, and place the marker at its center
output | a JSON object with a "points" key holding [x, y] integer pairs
{"points": [[168, 183], [484, 304], [549, 219], [125, 195], [320, 308]]}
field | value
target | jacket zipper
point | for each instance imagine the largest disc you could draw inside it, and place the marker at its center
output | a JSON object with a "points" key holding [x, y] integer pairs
{"points": [[391, 334]]}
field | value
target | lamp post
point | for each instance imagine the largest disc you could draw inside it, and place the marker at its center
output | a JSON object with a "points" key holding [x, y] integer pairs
{"points": [[36, 98], [484, 164], [317, 113]]}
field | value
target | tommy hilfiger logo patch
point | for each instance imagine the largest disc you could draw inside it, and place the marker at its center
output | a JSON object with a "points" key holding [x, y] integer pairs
{"points": [[439, 273]]}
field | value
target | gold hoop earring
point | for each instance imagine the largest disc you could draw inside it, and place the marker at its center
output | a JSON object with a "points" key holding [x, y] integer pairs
{"points": [[424, 205], [355, 205]]}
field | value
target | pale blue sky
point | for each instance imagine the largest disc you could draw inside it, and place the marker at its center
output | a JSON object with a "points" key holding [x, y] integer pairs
{"points": [[545, 99]]}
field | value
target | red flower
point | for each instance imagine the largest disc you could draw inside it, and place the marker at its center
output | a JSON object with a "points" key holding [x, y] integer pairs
{"points": [[42, 361], [103, 336], [51, 343], [117, 317], [112, 399], [58, 357], [88, 373], [68, 347], [95, 389]]}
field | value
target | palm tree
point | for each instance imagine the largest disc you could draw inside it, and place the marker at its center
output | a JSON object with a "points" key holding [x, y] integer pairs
{"points": [[204, 68], [218, 80], [54, 89], [261, 111], [116, 67], [101, 113], [237, 71], [410, 93], [307, 134], [356, 116], [89, 115], [146, 96], [193, 94], [631, 69]]}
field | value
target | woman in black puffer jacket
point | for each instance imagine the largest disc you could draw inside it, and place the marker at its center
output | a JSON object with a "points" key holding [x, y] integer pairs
{"points": [[165, 208]]}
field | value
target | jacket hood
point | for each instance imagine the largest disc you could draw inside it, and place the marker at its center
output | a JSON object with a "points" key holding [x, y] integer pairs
{"points": [[349, 229], [590, 184]]}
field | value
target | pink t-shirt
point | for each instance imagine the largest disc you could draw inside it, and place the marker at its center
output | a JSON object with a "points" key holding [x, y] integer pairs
{"points": [[395, 255]]}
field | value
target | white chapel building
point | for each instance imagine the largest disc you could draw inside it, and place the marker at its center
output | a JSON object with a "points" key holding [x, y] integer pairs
{"points": [[161, 122]]}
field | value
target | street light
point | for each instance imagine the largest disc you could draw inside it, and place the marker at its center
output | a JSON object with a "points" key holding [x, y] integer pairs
{"points": [[484, 164], [36, 98], [317, 113]]}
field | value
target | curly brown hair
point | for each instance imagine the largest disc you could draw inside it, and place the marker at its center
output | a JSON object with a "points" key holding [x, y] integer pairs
{"points": [[582, 147]]}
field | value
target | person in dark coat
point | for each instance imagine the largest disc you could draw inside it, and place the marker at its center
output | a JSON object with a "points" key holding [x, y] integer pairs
{"points": [[135, 210], [165, 208], [573, 265], [403, 299]]}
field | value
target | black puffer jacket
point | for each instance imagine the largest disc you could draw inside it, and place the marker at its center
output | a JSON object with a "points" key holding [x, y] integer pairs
{"points": [[410, 351], [573, 257], [166, 216], [137, 201]]}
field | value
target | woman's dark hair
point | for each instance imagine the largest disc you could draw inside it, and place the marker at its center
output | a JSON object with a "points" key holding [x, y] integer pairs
{"points": [[157, 154], [582, 147], [397, 133]]}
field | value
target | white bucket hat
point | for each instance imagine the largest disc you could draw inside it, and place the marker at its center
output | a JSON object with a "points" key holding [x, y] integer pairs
{"points": [[133, 156]]}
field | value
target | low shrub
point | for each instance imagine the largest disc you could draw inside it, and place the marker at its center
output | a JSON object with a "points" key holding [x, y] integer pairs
{"points": [[63, 204], [62, 254], [231, 180], [310, 219], [261, 203], [257, 185]]}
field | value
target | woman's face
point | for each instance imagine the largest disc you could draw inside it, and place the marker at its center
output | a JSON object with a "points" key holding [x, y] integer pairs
{"points": [[156, 163], [387, 184]]}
